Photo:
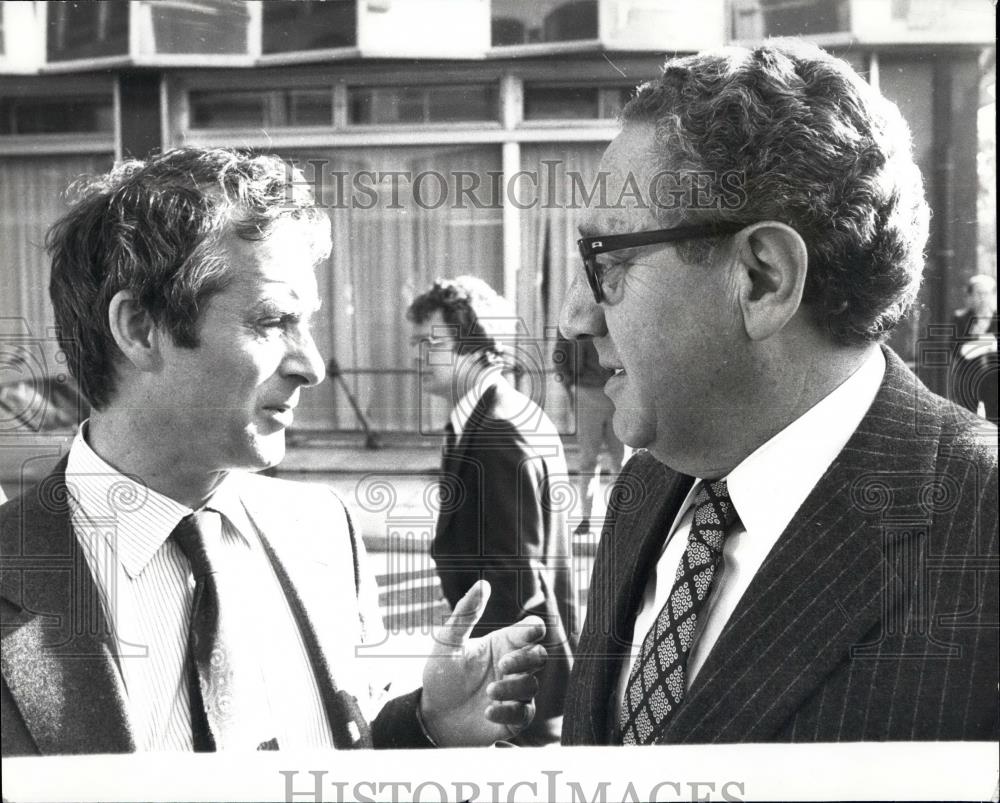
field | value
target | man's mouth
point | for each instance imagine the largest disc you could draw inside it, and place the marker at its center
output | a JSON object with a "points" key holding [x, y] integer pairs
{"points": [[282, 413]]}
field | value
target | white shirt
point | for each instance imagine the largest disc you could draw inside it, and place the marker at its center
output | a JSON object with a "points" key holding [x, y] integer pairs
{"points": [[766, 488], [146, 586]]}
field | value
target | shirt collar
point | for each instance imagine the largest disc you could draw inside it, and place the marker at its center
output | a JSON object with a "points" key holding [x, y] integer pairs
{"points": [[771, 483], [143, 518]]}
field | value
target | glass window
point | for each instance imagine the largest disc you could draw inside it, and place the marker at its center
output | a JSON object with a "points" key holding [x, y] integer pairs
{"points": [[196, 26], [756, 19], [291, 25], [401, 217], [265, 109], [87, 30], [228, 109], [55, 115], [574, 102], [560, 103], [522, 22], [423, 104], [309, 107]]}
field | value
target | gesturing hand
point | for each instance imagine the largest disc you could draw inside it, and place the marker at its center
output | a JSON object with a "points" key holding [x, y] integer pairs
{"points": [[478, 691]]}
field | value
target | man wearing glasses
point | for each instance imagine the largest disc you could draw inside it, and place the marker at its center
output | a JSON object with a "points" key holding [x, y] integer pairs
{"points": [[807, 549]]}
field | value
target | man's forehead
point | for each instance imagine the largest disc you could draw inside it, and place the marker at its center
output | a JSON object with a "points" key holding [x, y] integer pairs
{"points": [[623, 203], [598, 221], [273, 276]]}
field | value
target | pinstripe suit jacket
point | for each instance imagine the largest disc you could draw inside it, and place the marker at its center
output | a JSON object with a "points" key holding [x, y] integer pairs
{"points": [[61, 689], [874, 617]]}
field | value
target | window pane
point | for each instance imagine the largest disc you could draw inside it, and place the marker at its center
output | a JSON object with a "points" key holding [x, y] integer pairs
{"points": [[574, 102], [560, 103], [761, 18], [401, 217], [228, 109], [275, 108], [520, 22], [424, 104], [55, 115], [87, 30], [198, 26], [308, 107], [291, 25]]}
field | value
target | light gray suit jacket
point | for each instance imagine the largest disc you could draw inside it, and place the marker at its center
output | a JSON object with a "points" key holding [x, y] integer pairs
{"points": [[62, 690]]}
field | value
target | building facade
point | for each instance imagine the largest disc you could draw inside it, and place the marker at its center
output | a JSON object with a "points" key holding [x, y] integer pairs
{"points": [[446, 137]]}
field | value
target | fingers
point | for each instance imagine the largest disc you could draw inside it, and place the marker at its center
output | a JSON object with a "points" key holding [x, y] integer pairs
{"points": [[515, 688], [525, 660], [530, 630], [515, 716], [469, 609]]}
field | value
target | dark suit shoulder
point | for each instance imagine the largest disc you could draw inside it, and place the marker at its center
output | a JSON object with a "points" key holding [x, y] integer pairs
{"points": [[961, 433]]}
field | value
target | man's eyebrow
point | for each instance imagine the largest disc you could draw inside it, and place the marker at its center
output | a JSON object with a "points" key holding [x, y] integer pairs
{"points": [[614, 225], [273, 304]]}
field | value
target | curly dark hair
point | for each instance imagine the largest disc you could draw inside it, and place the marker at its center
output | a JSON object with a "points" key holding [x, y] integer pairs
{"points": [[817, 148], [476, 310], [157, 228]]}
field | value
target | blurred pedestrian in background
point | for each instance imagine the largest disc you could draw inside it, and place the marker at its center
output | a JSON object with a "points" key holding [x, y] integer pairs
{"points": [[502, 457], [580, 371], [973, 379]]}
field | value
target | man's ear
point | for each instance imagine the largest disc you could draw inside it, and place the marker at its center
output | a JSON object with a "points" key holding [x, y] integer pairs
{"points": [[134, 331], [772, 262]]}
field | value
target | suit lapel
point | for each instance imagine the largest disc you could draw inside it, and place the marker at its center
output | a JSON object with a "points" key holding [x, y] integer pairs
{"points": [[824, 585], [644, 503], [453, 462], [58, 653], [322, 597]]}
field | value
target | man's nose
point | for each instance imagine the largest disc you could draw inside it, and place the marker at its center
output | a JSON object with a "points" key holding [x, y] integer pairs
{"points": [[581, 316], [305, 361]]}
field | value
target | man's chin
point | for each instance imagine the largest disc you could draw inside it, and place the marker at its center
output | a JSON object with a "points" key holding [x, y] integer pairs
{"points": [[268, 451], [630, 431]]}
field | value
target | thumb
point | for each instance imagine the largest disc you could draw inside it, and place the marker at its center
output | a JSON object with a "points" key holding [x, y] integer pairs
{"points": [[468, 611]]}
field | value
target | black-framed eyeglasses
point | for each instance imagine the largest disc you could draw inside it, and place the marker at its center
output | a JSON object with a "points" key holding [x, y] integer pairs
{"points": [[590, 247]]}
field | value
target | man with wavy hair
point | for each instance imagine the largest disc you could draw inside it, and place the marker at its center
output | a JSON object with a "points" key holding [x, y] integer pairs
{"points": [[159, 595], [501, 519], [806, 548]]}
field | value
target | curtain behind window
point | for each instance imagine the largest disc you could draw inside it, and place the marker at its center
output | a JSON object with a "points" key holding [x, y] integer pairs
{"points": [[32, 197], [549, 256], [383, 257]]}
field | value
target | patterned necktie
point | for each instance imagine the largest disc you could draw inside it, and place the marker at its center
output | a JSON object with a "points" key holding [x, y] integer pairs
{"points": [[225, 684], [657, 682]]}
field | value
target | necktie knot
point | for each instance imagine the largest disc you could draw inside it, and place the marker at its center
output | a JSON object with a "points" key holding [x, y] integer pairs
{"points": [[714, 514], [197, 534]]}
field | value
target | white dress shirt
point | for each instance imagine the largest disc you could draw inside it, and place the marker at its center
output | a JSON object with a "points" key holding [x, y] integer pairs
{"points": [[147, 587], [766, 488]]}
